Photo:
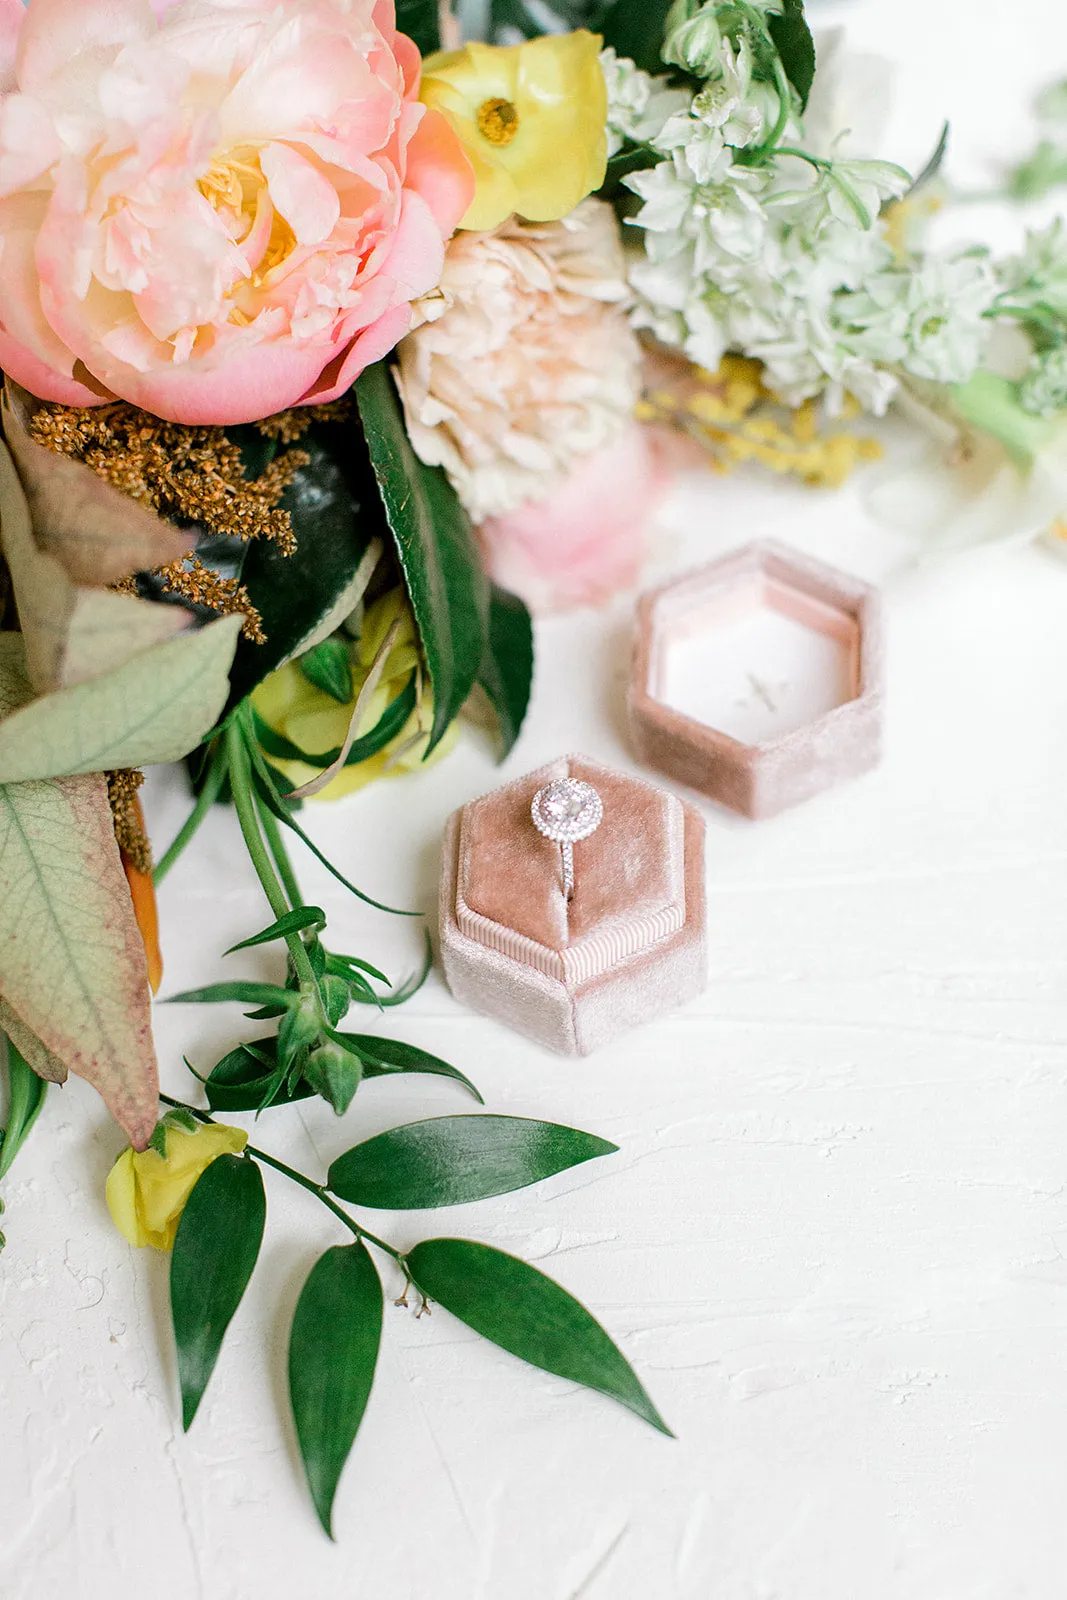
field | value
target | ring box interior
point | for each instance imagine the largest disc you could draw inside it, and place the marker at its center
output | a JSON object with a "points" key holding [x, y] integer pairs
{"points": [[628, 946], [758, 680]]}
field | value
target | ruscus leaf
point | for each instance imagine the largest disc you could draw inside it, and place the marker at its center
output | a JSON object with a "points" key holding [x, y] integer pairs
{"points": [[333, 1350], [523, 1311], [435, 543], [507, 666], [419, 19], [383, 1057], [215, 1250], [795, 46], [449, 1161], [329, 668]]}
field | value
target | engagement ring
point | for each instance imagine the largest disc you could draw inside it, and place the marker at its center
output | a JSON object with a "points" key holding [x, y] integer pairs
{"points": [[567, 811]]}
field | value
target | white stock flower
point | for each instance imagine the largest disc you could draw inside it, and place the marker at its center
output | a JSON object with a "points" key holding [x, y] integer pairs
{"points": [[638, 103]]}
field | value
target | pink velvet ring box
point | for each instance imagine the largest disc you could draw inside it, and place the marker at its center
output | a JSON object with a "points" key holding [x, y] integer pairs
{"points": [[628, 946], [758, 680]]}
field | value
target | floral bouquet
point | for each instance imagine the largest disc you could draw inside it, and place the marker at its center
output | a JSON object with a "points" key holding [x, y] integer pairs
{"points": [[331, 341]]}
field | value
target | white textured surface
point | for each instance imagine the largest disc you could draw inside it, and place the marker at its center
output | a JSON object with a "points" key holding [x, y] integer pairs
{"points": [[835, 1241]]}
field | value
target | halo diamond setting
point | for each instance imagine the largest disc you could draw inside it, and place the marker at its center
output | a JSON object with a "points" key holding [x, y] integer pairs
{"points": [[566, 812]]}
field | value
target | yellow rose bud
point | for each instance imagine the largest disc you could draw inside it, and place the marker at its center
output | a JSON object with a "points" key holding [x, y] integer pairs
{"points": [[146, 1192], [532, 118], [314, 722]]}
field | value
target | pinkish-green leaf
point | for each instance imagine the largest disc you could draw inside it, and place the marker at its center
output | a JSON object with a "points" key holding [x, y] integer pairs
{"points": [[74, 972]]}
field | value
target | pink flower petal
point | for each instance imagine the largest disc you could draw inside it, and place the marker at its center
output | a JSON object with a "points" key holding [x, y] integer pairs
{"points": [[12, 15], [301, 193], [55, 32]]}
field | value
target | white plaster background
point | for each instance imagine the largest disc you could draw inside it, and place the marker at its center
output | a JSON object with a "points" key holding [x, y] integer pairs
{"points": [[834, 1243]]}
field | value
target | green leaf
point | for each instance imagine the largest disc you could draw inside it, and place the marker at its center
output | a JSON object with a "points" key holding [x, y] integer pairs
{"points": [[635, 28], [448, 590], [386, 1057], [329, 667], [215, 1250], [26, 1092], [247, 992], [795, 46], [934, 164], [292, 922], [387, 727], [268, 791], [448, 1161], [302, 598], [333, 1350], [400, 996], [74, 976], [518, 1308], [507, 666], [419, 19], [151, 710]]}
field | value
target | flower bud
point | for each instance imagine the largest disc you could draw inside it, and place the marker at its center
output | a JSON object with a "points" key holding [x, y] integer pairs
{"points": [[147, 1190], [692, 38]]}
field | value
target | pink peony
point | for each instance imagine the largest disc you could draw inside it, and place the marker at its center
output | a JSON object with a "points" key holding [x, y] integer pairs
{"points": [[587, 539], [214, 209]]}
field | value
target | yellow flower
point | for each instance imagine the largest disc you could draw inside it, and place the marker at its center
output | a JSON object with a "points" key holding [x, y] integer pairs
{"points": [[532, 118], [311, 719], [146, 1192]]}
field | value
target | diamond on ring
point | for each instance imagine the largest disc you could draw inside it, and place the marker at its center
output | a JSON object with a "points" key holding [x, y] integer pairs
{"points": [[567, 811]]}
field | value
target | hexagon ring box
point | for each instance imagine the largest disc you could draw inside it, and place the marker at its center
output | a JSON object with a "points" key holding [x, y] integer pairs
{"points": [[572, 904], [758, 680]]}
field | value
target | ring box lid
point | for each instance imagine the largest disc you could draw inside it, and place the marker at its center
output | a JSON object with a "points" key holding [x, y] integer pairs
{"points": [[629, 875]]}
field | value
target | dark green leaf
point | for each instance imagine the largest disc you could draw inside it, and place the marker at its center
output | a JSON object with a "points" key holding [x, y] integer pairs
{"points": [[249, 994], [335, 513], [215, 1250], [410, 987], [332, 1354], [26, 1092], [448, 1161], [268, 792], [447, 588], [341, 963], [244, 1077], [292, 922], [518, 1308], [329, 667], [419, 19], [507, 666], [386, 1057], [795, 46], [635, 28], [387, 727], [336, 996]]}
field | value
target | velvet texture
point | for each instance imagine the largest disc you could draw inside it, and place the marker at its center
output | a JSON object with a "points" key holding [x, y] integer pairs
{"points": [[629, 946], [760, 780]]}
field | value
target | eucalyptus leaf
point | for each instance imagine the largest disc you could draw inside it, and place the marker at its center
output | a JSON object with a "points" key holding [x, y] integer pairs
{"points": [[449, 1161], [507, 666], [150, 710], [528, 1314], [74, 976], [333, 1351], [215, 1250], [72, 632], [435, 543], [329, 667], [293, 922]]}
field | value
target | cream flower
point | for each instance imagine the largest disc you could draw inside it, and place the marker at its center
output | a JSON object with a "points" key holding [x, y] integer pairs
{"points": [[525, 363]]}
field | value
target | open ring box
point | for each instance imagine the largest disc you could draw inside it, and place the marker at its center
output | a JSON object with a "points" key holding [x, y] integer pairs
{"points": [[628, 946], [758, 679]]}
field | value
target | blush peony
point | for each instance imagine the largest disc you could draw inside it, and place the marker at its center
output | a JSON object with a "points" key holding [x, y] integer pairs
{"points": [[214, 209]]}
